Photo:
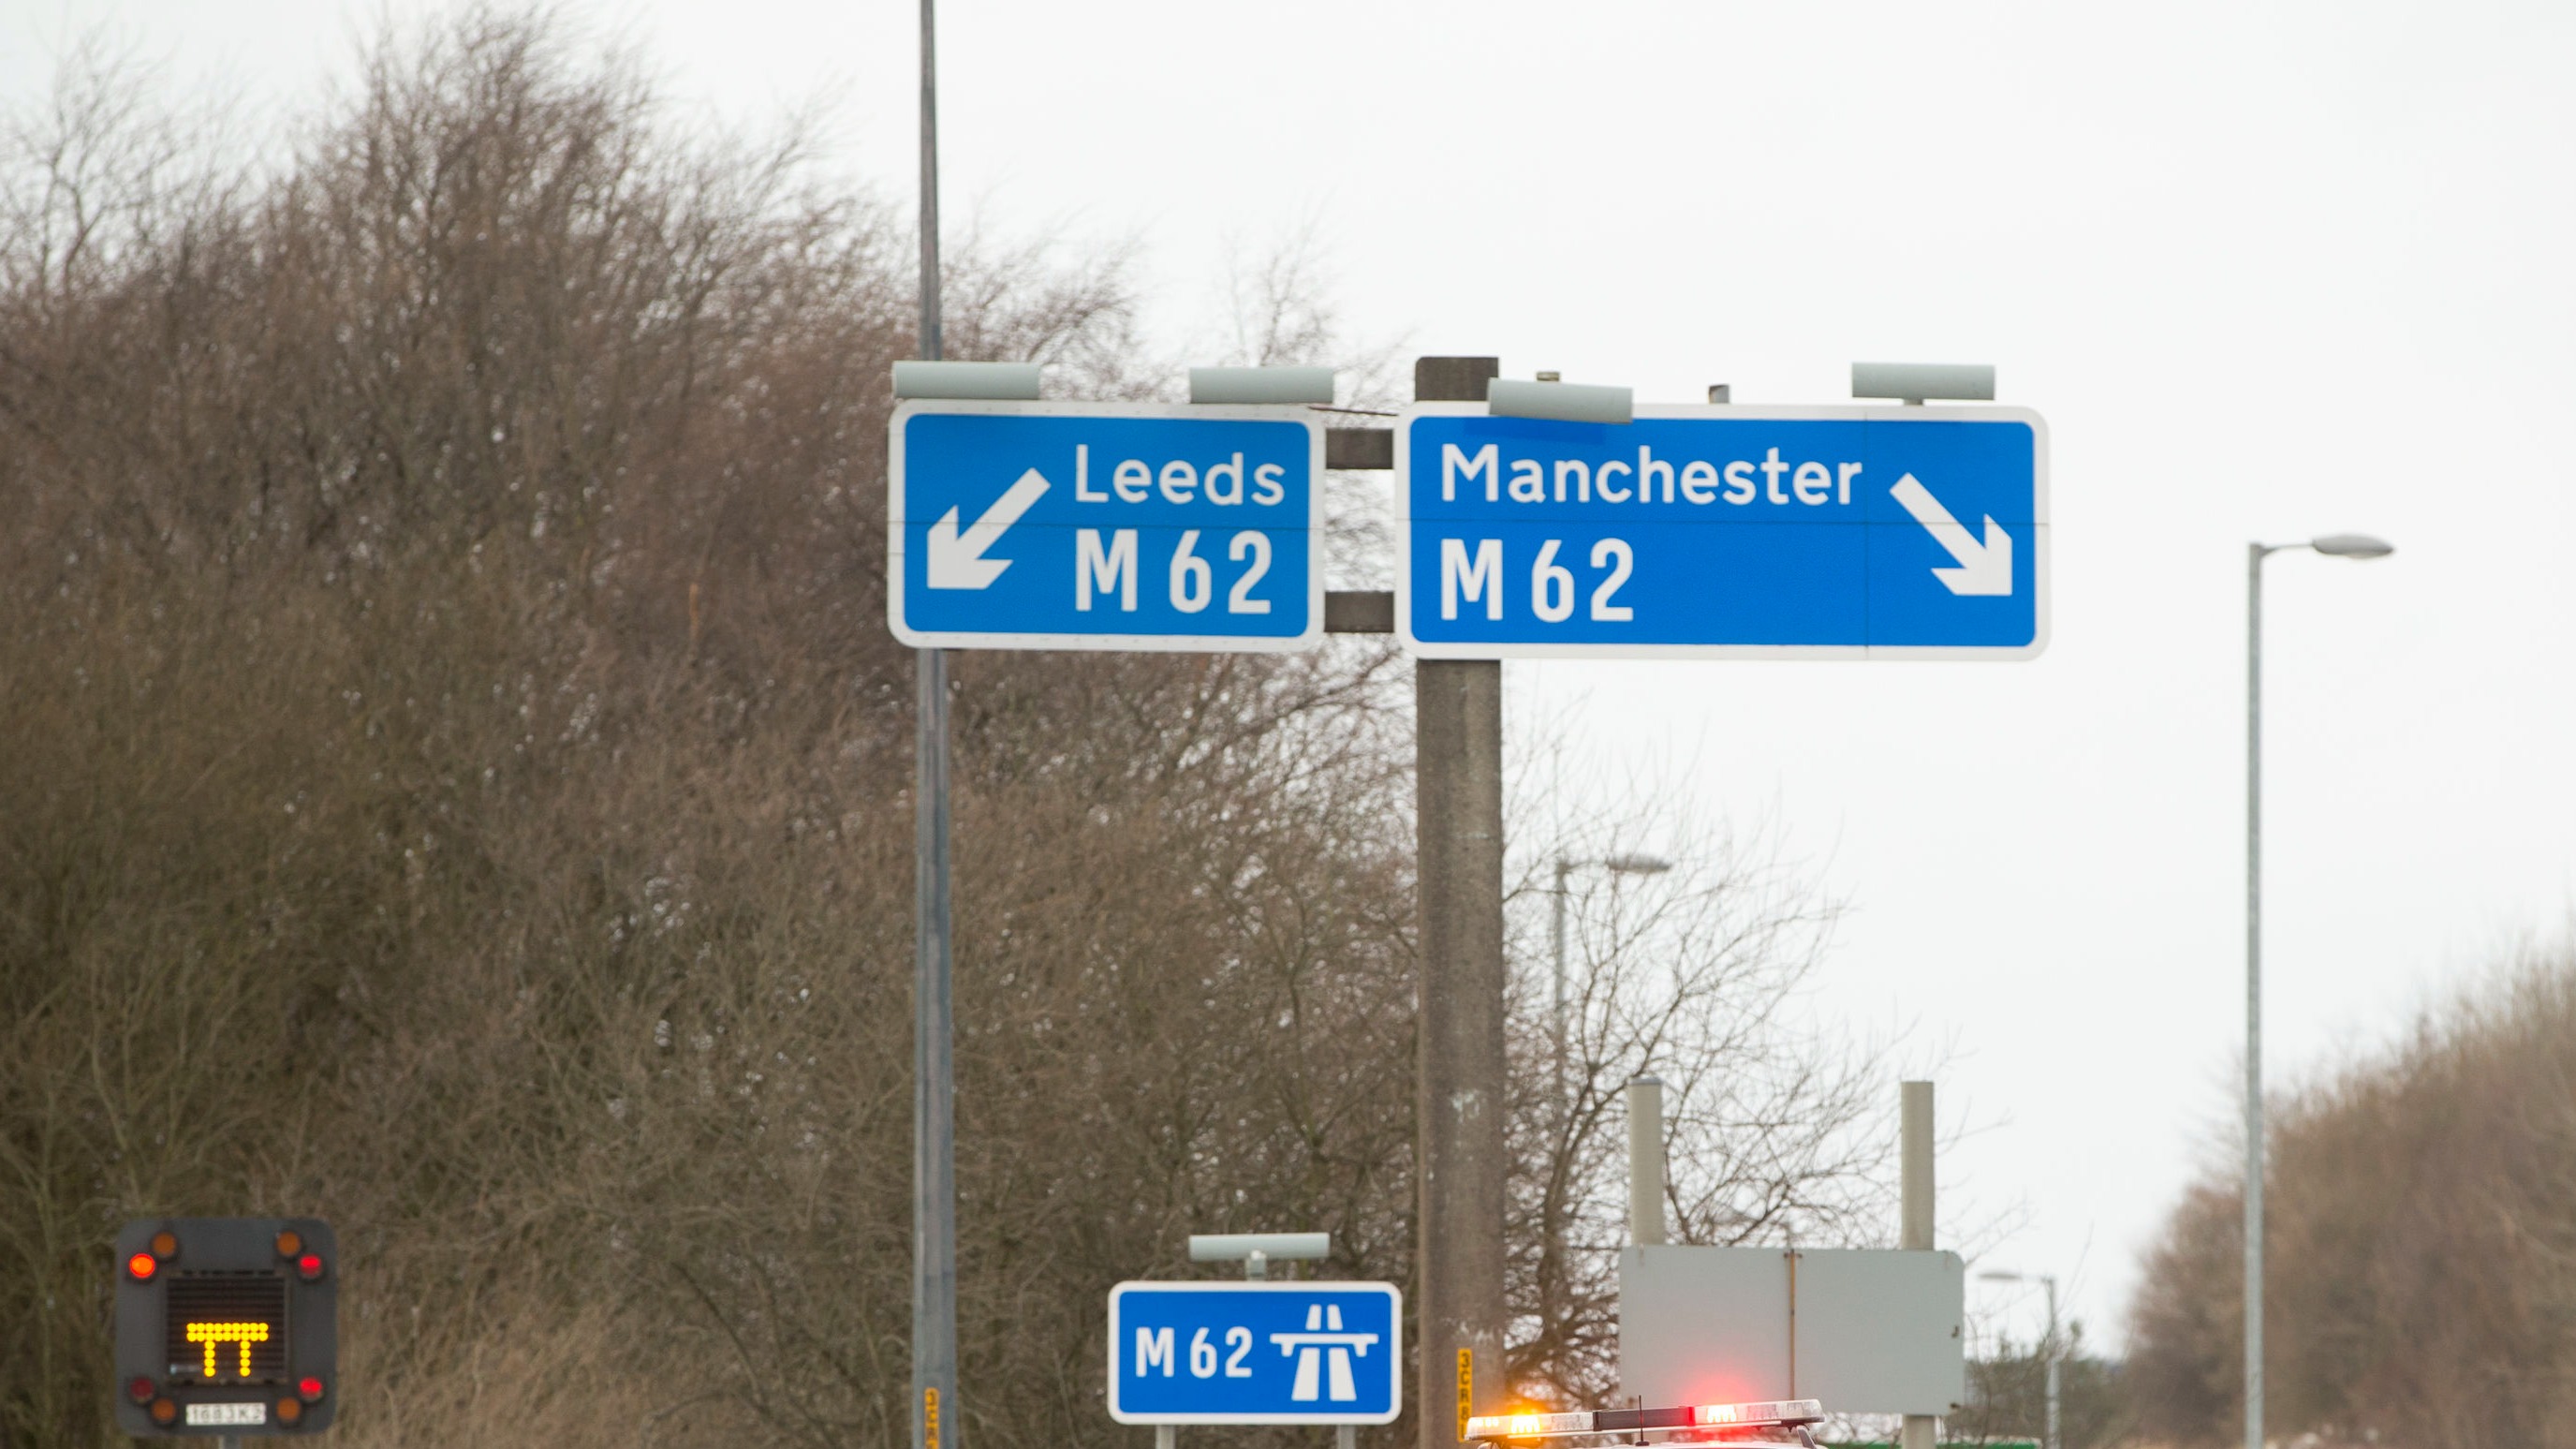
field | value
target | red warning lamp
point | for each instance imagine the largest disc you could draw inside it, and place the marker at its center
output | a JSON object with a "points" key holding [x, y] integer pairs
{"points": [[141, 1389], [143, 1266], [309, 1267], [309, 1389]]}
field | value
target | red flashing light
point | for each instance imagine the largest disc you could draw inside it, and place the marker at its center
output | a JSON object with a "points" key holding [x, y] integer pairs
{"points": [[141, 1389], [309, 1389], [309, 1267], [143, 1266]]}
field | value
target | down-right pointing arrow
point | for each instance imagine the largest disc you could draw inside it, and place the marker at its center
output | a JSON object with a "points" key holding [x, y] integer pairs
{"points": [[1984, 568]]}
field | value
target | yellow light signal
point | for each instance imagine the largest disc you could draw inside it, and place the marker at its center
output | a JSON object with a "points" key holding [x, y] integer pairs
{"points": [[213, 1335]]}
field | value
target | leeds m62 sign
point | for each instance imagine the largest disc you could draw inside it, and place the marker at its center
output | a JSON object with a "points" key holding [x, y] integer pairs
{"points": [[1724, 532], [1025, 525]]}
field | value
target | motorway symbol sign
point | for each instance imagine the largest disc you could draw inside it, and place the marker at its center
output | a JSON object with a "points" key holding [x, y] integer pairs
{"points": [[1255, 1353], [1723, 532], [1023, 525]]}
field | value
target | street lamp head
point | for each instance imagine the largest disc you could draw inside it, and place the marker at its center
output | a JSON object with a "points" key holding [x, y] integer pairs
{"points": [[1999, 1275], [2353, 545], [1637, 864]]}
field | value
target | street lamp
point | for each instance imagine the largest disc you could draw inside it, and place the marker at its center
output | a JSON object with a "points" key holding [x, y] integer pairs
{"points": [[2336, 545], [2048, 1345], [1566, 866], [1616, 865]]}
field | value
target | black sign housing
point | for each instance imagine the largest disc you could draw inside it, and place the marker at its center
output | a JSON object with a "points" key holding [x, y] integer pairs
{"points": [[227, 1326]]}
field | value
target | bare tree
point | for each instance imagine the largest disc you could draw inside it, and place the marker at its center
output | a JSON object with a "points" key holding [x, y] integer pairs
{"points": [[1780, 1128], [457, 784], [2418, 1242]]}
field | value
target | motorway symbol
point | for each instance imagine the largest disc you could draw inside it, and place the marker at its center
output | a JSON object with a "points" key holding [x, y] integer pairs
{"points": [[1255, 1353], [1021, 525], [1723, 532]]}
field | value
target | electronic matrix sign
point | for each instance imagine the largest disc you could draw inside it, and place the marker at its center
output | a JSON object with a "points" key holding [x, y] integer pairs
{"points": [[226, 1326]]}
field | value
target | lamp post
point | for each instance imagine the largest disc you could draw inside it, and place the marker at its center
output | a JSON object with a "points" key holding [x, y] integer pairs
{"points": [[2048, 1345], [1565, 866], [1616, 865], [2334, 545]]}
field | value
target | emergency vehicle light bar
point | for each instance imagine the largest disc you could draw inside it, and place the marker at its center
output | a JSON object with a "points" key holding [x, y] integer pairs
{"points": [[1777, 1412]]}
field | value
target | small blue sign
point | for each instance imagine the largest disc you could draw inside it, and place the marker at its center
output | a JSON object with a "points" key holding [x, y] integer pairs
{"points": [[1100, 526], [1256, 1353], [1724, 532]]}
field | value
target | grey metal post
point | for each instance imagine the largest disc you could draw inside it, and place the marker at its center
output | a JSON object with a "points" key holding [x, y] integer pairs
{"points": [[2255, 554], [2056, 1352], [1556, 952], [1646, 1161], [935, 1420], [1915, 1227], [1458, 781], [2339, 545], [1915, 1142], [929, 190]]}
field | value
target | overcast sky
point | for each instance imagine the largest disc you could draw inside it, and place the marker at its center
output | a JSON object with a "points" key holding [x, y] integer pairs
{"points": [[2268, 270]]}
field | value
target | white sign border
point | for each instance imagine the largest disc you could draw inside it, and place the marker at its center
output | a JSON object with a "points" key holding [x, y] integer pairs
{"points": [[1300, 413], [1837, 413], [1395, 1316]]}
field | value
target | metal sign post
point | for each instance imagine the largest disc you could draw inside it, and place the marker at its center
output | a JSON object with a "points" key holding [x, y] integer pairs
{"points": [[934, 1130]]}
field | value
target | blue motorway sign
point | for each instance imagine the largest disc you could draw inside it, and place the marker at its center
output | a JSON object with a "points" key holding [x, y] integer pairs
{"points": [[1256, 1353], [1020, 525], [1723, 532]]}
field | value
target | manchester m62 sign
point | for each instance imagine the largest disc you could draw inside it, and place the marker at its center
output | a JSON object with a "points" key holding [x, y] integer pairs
{"points": [[1724, 532]]}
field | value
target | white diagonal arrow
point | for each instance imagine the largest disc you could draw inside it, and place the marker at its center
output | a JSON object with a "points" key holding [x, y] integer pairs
{"points": [[1984, 568], [957, 561]]}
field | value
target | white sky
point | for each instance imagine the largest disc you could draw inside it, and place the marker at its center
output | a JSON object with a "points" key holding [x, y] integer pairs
{"points": [[2269, 271]]}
